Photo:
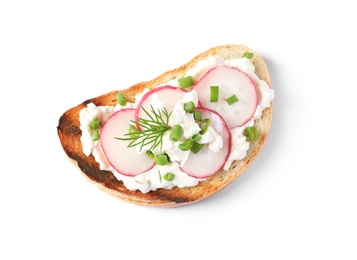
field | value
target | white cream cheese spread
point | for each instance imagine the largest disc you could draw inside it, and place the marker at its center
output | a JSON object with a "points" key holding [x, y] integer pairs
{"points": [[151, 180]]}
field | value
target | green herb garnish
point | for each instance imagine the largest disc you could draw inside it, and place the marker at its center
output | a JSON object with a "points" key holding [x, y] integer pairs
{"points": [[161, 159], [176, 133], [196, 147], [187, 145], [214, 94], [94, 126], [185, 82], [121, 99], [204, 124], [169, 176], [197, 115], [160, 176], [151, 130], [252, 133], [95, 135], [231, 100], [150, 154], [196, 137], [247, 55], [189, 106]]}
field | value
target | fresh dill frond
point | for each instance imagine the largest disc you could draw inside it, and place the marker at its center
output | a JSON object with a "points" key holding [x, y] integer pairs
{"points": [[151, 130]]}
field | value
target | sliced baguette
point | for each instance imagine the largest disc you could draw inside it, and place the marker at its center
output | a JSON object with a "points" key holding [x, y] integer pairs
{"points": [[69, 134]]}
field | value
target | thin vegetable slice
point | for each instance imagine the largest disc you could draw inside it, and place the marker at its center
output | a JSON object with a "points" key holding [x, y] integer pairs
{"points": [[207, 162], [167, 95], [231, 81], [123, 159]]}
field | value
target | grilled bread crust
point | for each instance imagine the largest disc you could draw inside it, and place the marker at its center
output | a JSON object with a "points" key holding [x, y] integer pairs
{"points": [[69, 135]]}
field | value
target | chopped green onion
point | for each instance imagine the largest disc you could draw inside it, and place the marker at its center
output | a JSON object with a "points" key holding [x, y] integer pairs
{"points": [[204, 125], [133, 131], [176, 133], [169, 176], [196, 137], [197, 115], [121, 99], [185, 146], [232, 99], [95, 135], [185, 82], [160, 176], [247, 55], [214, 93], [189, 106], [161, 159], [252, 133], [94, 124], [196, 147], [150, 154]]}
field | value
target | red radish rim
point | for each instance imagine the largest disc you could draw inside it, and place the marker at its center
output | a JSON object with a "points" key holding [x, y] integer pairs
{"points": [[228, 140], [129, 174], [149, 93], [195, 86]]}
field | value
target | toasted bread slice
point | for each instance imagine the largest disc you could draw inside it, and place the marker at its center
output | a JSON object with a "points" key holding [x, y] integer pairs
{"points": [[69, 134]]}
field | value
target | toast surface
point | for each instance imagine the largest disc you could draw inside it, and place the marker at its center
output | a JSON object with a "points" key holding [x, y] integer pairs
{"points": [[69, 133]]}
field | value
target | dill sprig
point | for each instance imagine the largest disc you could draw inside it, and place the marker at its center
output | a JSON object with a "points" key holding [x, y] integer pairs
{"points": [[152, 129]]}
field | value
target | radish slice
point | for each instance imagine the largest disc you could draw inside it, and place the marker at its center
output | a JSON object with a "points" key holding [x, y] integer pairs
{"points": [[161, 97], [207, 162], [231, 81], [123, 159]]}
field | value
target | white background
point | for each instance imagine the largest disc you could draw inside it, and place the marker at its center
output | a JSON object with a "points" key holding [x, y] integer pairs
{"points": [[297, 200]]}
